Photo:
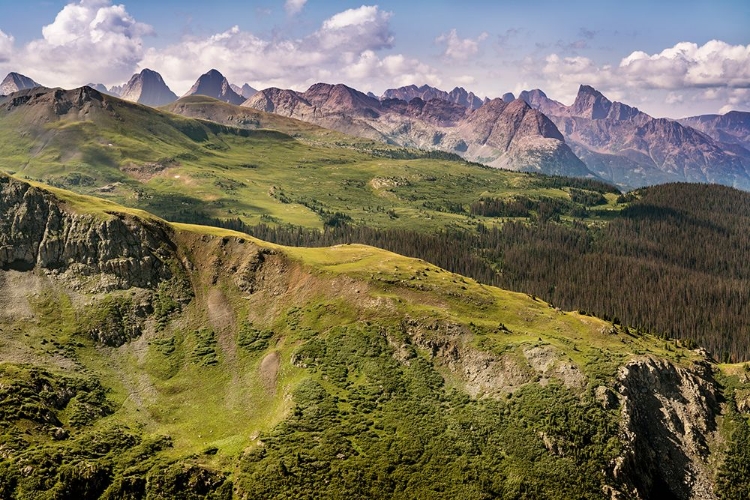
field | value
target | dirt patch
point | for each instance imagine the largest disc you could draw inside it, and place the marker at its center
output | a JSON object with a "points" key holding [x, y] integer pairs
{"points": [[546, 361], [269, 371], [220, 312], [17, 287], [145, 171]]}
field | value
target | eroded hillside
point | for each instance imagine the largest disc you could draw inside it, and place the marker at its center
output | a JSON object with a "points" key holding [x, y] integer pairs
{"points": [[142, 358]]}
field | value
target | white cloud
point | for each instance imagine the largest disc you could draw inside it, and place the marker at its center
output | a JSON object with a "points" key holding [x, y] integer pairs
{"points": [[91, 40], [465, 80], [355, 30], [674, 98], [344, 46], [397, 69], [714, 64], [715, 71], [460, 48], [6, 47], [294, 7]]}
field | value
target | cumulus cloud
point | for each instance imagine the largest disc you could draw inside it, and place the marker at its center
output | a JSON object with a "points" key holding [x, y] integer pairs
{"points": [[717, 71], [355, 30], [397, 69], [294, 7], [714, 64], [6, 47], [96, 40], [460, 48], [345, 45]]}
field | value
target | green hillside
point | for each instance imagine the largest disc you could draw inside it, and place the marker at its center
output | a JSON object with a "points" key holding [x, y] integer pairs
{"points": [[234, 368], [575, 243]]}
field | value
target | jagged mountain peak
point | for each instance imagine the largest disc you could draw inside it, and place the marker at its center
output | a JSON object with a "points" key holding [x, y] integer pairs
{"points": [[14, 82], [147, 87], [458, 95], [214, 84], [245, 91], [590, 103]]}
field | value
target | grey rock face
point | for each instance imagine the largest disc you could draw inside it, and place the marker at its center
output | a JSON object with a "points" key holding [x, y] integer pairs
{"points": [[37, 233], [668, 420]]}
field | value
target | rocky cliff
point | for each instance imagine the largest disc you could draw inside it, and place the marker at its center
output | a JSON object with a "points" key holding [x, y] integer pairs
{"points": [[37, 231], [669, 427]]}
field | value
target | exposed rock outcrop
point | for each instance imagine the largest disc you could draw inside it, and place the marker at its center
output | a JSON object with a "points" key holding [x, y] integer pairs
{"points": [[668, 422], [37, 232]]}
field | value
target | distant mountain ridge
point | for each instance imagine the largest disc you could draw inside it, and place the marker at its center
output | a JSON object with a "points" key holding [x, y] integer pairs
{"points": [[245, 91], [730, 128], [498, 134], [632, 149], [458, 95]]}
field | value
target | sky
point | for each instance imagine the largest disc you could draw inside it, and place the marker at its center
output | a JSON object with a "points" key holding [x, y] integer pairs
{"points": [[667, 57]]}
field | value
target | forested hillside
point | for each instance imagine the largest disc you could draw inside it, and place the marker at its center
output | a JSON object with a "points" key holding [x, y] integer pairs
{"points": [[674, 261]]}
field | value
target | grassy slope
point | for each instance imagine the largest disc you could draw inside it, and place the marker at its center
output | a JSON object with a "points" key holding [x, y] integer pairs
{"points": [[203, 406], [317, 363]]}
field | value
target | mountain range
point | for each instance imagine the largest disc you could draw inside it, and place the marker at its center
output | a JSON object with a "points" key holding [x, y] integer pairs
{"points": [[630, 148], [594, 137], [497, 134]]}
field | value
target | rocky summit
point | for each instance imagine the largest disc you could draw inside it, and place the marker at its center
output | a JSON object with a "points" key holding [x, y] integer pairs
{"points": [[147, 87], [14, 82], [213, 84]]}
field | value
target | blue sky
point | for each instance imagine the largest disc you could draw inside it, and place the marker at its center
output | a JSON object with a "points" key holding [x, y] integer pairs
{"points": [[669, 58]]}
